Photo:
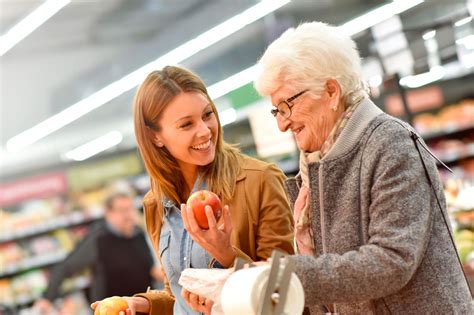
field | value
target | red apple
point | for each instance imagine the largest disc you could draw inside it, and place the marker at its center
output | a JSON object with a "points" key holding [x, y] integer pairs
{"points": [[111, 306], [199, 200]]}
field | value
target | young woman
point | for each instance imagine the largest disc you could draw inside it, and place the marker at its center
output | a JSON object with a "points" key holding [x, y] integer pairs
{"points": [[180, 140]]}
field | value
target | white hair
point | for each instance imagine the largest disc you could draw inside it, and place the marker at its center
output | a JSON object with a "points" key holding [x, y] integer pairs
{"points": [[306, 57]]}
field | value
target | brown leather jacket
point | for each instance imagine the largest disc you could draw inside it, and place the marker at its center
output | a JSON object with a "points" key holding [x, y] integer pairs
{"points": [[261, 219]]}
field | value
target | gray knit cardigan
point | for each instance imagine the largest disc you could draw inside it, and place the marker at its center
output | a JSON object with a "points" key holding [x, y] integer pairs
{"points": [[382, 244]]}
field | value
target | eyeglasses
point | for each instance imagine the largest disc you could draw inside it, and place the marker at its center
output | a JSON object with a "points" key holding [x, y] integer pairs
{"points": [[284, 107]]}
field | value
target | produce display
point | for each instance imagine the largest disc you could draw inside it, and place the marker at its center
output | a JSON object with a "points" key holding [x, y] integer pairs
{"points": [[451, 117], [37, 233], [111, 306]]}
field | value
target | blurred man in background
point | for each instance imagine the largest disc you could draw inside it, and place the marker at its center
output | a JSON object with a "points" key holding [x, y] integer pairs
{"points": [[116, 251]]}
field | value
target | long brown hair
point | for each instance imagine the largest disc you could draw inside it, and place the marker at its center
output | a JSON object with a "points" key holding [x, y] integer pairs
{"points": [[152, 97]]}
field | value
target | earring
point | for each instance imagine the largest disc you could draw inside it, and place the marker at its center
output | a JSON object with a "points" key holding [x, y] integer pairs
{"points": [[157, 141], [334, 108]]}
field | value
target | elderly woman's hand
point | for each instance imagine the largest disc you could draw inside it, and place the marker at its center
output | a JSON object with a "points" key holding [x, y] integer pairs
{"points": [[215, 240], [196, 302]]}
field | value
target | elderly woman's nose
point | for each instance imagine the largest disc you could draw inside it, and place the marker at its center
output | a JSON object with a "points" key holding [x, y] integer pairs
{"points": [[283, 124]]}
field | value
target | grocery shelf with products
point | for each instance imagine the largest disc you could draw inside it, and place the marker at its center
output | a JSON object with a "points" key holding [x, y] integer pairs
{"points": [[450, 132], [26, 255], [44, 217], [21, 291], [56, 168]]}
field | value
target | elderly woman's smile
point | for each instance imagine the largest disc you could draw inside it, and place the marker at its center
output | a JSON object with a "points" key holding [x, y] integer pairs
{"points": [[297, 130], [367, 202], [312, 115]]}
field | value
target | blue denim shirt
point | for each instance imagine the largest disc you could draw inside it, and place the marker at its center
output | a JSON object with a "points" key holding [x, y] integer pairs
{"points": [[178, 251]]}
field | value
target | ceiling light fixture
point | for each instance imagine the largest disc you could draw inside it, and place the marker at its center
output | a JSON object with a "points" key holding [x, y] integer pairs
{"points": [[232, 83], [413, 81], [470, 7], [31, 22], [378, 15], [185, 51], [227, 116], [463, 21], [133, 79], [467, 41], [248, 75], [429, 35], [95, 146], [375, 81]]}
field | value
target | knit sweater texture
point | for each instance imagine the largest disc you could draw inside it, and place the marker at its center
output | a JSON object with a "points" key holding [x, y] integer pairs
{"points": [[382, 244]]}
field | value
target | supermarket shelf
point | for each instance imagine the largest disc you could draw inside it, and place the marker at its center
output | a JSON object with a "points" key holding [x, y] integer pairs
{"points": [[453, 157], [33, 262], [27, 299], [63, 221], [464, 218], [449, 131]]}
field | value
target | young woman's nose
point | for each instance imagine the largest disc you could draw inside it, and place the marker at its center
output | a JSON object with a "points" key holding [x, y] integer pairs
{"points": [[203, 129]]}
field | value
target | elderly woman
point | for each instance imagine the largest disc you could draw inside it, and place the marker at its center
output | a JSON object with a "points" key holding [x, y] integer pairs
{"points": [[371, 223]]}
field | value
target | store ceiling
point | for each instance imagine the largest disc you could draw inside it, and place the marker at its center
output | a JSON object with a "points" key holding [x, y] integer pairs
{"points": [[89, 44]]}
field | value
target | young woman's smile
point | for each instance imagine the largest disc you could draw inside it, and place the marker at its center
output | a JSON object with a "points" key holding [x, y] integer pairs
{"points": [[189, 129]]}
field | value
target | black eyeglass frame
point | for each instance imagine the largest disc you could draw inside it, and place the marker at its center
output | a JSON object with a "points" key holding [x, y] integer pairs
{"points": [[288, 102]]}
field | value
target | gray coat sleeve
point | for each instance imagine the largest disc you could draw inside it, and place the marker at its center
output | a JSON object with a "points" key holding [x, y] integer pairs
{"points": [[400, 217]]}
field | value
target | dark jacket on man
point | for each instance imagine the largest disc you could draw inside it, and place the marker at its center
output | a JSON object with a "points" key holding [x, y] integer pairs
{"points": [[119, 265]]}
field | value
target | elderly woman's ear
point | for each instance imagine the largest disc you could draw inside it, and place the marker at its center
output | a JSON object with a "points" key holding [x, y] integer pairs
{"points": [[333, 90]]}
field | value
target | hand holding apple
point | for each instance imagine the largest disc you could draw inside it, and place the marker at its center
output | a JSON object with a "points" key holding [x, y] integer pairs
{"points": [[198, 202], [211, 236], [111, 306]]}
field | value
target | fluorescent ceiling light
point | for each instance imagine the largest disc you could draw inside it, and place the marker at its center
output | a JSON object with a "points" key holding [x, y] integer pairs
{"points": [[133, 79], [429, 35], [227, 116], [467, 41], [375, 81], [378, 15], [468, 60], [246, 76], [185, 51], [31, 22], [232, 83], [463, 21], [414, 81], [95, 146]]}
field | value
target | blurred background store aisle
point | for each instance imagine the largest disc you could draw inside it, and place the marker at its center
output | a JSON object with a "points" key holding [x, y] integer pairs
{"points": [[69, 69]]}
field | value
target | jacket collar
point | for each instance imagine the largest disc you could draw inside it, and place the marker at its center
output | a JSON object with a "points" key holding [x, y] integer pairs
{"points": [[247, 164], [355, 127], [361, 118], [242, 175]]}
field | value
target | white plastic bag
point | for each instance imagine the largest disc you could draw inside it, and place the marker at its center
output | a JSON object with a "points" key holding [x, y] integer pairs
{"points": [[207, 283]]}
